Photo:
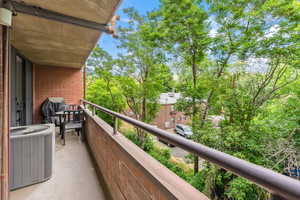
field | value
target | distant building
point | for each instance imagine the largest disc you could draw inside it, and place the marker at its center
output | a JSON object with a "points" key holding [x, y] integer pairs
{"points": [[168, 116]]}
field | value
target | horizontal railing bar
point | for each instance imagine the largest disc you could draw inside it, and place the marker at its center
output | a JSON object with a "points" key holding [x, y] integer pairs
{"points": [[274, 182]]}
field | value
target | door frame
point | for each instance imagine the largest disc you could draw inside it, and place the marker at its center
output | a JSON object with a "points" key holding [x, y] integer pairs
{"points": [[27, 88]]}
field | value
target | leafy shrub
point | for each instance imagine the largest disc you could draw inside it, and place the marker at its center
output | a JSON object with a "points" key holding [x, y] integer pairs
{"points": [[211, 180], [198, 181], [98, 93], [242, 189], [163, 155], [148, 144]]}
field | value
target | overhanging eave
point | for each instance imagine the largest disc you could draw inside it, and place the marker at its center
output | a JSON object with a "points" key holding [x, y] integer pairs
{"points": [[51, 42]]}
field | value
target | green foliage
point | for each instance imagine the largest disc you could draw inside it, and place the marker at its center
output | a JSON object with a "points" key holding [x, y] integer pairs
{"points": [[103, 86], [241, 189], [98, 93], [183, 33], [185, 36], [148, 145], [198, 181], [144, 72], [163, 155], [214, 47]]}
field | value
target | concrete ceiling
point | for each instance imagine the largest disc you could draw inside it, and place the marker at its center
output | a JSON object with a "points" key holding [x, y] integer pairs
{"points": [[52, 43]]}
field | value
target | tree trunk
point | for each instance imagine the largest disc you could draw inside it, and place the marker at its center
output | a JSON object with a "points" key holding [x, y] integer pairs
{"points": [[234, 86], [144, 107], [196, 158], [196, 164], [205, 112], [142, 133]]}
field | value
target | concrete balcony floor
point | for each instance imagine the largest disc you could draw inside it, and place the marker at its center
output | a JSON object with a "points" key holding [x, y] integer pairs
{"points": [[74, 176]]}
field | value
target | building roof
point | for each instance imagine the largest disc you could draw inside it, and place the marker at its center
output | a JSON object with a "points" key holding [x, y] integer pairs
{"points": [[169, 98]]}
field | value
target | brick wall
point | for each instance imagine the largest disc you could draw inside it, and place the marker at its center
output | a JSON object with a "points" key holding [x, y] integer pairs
{"points": [[129, 172], [165, 114], [55, 82]]}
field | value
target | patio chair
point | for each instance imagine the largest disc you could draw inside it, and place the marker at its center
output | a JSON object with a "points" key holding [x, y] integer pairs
{"points": [[72, 120], [73, 107]]}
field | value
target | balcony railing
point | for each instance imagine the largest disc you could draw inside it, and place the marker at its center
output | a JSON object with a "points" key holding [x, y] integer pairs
{"points": [[280, 186]]}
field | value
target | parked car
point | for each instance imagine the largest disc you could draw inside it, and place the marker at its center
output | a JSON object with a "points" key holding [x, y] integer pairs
{"points": [[165, 142], [183, 130]]}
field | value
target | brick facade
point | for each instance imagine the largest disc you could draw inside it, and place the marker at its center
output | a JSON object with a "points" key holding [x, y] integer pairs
{"points": [[55, 82], [167, 117]]}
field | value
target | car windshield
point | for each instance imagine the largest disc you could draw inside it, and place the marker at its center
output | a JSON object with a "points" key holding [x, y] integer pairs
{"points": [[187, 129]]}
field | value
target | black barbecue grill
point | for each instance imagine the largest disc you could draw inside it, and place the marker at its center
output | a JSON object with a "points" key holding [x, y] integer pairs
{"points": [[50, 107]]}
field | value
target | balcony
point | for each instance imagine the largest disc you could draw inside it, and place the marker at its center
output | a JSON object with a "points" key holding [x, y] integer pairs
{"points": [[74, 176], [106, 166], [109, 166]]}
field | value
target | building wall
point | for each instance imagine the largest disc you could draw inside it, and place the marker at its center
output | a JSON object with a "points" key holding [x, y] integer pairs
{"points": [[167, 117], [128, 171], [56, 82]]}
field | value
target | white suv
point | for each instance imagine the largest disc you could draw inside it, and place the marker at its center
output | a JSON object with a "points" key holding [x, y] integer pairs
{"points": [[183, 130]]}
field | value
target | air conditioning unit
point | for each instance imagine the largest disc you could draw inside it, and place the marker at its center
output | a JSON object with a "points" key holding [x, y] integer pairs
{"points": [[32, 154]]}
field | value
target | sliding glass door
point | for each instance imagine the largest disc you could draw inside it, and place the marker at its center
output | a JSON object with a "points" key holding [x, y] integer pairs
{"points": [[21, 90]]}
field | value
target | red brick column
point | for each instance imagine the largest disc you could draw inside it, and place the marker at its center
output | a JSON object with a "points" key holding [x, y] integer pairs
{"points": [[4, 112]]}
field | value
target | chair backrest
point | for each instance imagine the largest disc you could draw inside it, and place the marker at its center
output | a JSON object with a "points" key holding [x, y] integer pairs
{"points": [[73, 107], [73, 116]]}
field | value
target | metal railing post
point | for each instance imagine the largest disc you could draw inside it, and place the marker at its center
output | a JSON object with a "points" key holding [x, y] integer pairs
{"points": [[94, 111], [115, 125]]}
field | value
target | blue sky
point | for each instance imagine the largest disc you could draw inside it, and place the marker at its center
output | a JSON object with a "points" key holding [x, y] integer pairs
{"points": [[107, 42]]}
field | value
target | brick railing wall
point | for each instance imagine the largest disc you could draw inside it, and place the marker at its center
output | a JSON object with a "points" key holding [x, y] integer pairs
{"points": [[128, 172]]}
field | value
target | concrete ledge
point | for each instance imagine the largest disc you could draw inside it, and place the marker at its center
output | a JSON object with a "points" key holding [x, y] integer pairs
{"points": [[129, 172]]}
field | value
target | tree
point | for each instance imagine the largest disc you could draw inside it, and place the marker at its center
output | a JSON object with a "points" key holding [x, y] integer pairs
{"points": [[245, 68], [248, 34], [184, 35], [103, 86], [242, 32], [143, 69]]}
